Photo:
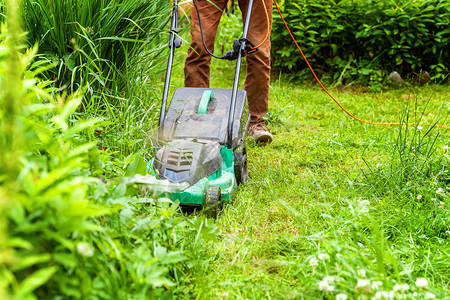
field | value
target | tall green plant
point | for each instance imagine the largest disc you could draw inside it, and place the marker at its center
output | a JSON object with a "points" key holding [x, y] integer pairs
{"points": [[95, 41], [64, 232]]}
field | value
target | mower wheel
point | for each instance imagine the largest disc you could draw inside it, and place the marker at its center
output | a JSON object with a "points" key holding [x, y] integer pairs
{"points": [[213, 202], [240, 165]]}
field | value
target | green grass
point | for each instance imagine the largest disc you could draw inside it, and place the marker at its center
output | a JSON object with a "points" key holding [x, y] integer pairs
{"points": [[306, 196]]}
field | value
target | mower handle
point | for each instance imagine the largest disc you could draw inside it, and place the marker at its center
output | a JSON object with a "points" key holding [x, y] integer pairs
{"points": [[174, 42], [243, 42]]}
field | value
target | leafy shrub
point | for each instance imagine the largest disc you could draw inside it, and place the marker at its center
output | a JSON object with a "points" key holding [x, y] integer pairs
{"points": [[350, 39], [64, 232]]}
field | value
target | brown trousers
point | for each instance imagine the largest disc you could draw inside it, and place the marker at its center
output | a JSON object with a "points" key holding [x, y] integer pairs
{"points": [[197, 65]]}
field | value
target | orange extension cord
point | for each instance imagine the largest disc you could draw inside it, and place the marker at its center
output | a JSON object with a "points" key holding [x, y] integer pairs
{"points": [[326, 91], [268, 26]]}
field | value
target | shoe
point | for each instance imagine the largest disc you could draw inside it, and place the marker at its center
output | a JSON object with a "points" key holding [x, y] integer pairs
{"points": [[260, 134]]}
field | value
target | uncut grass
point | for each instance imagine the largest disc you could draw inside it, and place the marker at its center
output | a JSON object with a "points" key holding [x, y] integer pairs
{"points": [[302, 195]]}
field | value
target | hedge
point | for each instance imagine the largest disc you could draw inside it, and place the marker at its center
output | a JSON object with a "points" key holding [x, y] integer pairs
{"points": [[359, 37]]}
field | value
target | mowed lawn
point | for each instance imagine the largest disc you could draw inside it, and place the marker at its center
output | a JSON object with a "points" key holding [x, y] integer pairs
{"points": [[312, 221]]}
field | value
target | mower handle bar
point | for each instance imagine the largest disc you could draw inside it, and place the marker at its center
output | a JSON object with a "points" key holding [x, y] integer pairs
{"points": [[175, 42]]}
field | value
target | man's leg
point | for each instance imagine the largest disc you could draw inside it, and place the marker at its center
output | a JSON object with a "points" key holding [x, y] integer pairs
{"points": [[257, 81], [197, 65]]}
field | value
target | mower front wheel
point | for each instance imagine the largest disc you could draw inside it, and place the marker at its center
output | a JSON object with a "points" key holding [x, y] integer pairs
{"points": [[213, 201]]}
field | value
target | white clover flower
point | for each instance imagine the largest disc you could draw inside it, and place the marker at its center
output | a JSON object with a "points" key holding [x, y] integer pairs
{"points": [[422, 283], [323, 256], [364, 206], [440, 191], [429, 295], [313, 262], [419, 197], [362, 273], [419, 128], [341, 297], [445, 147], [379, 165], [384, 295], [363, 284], [85, 249], [324, 285], [401, 287], [376, 284], [329, 279]]}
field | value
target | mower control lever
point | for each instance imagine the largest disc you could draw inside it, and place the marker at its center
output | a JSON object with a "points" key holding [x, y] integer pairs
{"points": [[175, 40], [233, 54]]}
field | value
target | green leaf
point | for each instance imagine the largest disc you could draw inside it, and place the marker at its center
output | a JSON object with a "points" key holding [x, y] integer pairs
{"points": [[138, 166], [34, 281], [70, 107], [28, 261]]}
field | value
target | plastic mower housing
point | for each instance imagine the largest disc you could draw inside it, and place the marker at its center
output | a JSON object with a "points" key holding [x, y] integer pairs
{"points": [[194, 138]]}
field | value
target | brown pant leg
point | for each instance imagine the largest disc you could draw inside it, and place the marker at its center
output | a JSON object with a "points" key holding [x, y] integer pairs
{"points": [[257, 80], [197, 64]]}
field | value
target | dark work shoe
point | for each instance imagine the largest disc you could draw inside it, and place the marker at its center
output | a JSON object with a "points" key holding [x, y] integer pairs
{"points": [[260, 134]]}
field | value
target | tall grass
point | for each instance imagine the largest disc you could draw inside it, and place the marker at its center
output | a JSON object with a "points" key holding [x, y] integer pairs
{"points": [[95, 41], [114, 50]]}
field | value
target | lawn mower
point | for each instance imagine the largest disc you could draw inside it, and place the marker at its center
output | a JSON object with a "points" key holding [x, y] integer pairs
{"points": [[201, 135]]}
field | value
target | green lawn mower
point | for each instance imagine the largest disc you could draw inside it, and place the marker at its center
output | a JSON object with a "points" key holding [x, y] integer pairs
{"points": [[201, 136]]}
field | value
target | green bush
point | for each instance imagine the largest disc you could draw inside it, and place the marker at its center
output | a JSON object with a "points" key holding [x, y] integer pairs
{"points": [[64, 233], [364, 39]]}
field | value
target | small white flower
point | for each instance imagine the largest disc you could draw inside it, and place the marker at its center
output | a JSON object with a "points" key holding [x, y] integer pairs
{"points": [[401, 287], [422, 283], [341, 297], [335, 134], [364, 206], [338, 255], [384, 295], [446, 155], [419, 197], [362, 284], [323, 256], [376, 284], [362, 273], [433, 199], [419, 128], [313, 262], [429, 295], [329, 279], [379, 165], [325, 286], [445, 147], [85, 249], [440, 191]]}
